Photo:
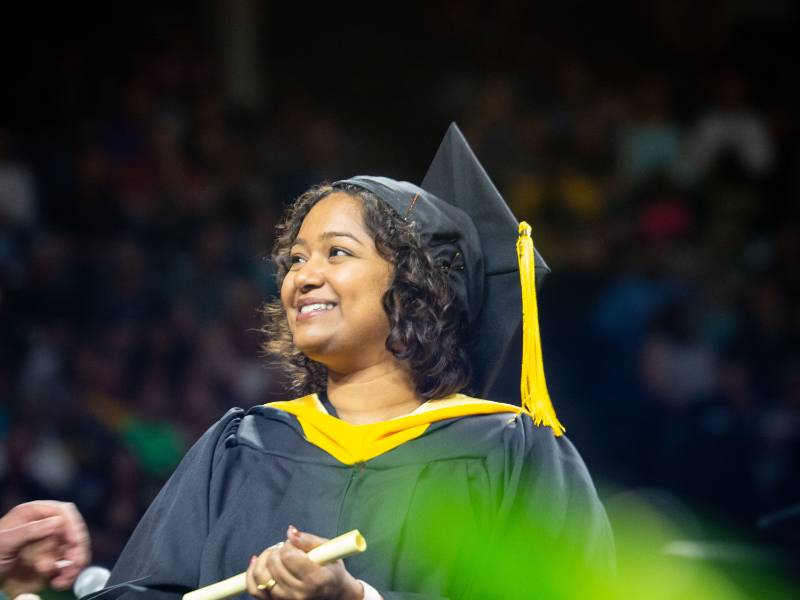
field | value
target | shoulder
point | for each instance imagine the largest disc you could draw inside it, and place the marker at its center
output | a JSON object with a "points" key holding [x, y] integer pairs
{"points": [[226, 426], [272, 429], [215, 438], [484, 428], [465, 400], [508, 421], [511, 433]]}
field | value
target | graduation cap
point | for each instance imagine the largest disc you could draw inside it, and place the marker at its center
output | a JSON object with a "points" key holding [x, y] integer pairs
{"points": [[469, 229]]}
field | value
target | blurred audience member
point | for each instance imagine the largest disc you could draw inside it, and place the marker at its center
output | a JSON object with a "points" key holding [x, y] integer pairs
{"points": [[730, 130], [650, 142], [17, 190]]}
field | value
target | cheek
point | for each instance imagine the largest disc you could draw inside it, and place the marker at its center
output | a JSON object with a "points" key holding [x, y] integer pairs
{"points": [[377, 285], [383, 281], [364, 288], [287, 292]]}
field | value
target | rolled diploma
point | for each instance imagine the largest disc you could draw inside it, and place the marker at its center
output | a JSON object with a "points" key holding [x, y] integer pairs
{"points": [[342, 546]]}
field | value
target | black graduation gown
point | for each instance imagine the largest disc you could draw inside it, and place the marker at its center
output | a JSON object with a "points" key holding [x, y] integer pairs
{"points": [[253, 474]]}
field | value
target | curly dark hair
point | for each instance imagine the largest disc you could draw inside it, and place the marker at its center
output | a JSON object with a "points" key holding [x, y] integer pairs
{"points": [[425, 318]]}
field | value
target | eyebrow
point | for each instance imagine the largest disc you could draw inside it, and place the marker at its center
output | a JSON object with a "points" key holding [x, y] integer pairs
{"points": [[328, 235]]}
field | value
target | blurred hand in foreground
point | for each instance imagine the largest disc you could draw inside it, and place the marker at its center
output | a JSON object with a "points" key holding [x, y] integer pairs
{"points": [[42, 543]]}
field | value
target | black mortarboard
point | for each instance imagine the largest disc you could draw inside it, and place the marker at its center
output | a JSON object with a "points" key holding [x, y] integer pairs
{"points": [[463, 219]]}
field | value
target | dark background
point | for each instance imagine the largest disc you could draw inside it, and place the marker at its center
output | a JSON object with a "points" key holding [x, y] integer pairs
{"points": [[147, 149]]}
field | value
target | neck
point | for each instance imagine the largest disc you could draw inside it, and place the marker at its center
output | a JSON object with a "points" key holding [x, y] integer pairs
{"points": [[374, 394]]}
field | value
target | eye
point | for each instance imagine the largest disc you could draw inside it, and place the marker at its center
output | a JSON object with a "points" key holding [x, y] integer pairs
{"points": [[295, 260], [335, 252]]}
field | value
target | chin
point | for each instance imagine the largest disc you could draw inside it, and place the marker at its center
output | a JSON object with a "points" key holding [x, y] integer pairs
{"points": [[314, 348], [332, 359]]}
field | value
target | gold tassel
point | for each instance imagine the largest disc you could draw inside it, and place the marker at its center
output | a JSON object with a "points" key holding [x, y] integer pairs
{"points": [[533, 387]]}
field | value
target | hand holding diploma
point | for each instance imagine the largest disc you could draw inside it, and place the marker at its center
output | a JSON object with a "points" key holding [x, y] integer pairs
{"points": [[304, 566], [287, 571]]}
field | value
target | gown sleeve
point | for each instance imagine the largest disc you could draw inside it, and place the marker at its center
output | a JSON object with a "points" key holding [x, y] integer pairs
{"points": [[553, 530], [163, 556], [549, 536]]}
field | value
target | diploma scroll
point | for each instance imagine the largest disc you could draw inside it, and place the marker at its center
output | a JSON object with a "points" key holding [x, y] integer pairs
{"points": [[342, 546]]}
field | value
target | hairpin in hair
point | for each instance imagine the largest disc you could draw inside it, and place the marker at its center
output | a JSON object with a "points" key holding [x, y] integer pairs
{"points": [[411, 206]]}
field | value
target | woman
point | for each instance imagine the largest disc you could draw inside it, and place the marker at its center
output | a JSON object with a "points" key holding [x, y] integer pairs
{"points": [[383, 284]]}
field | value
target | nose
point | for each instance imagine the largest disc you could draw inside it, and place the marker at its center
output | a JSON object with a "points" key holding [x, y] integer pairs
{"points": [[309, 276]]}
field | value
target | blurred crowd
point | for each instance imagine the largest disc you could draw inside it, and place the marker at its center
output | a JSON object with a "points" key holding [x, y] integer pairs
{"points": [[672, 314], [133, 250]]}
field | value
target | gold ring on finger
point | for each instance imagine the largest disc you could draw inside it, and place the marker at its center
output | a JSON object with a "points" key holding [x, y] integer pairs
{"points": [[267, 586]]}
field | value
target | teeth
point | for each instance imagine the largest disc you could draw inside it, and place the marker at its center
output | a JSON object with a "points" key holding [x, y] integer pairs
{"points": [[315, 307]]}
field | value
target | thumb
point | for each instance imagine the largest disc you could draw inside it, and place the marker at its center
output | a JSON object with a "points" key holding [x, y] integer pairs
{"points": [[15, 538], [302, 540]]}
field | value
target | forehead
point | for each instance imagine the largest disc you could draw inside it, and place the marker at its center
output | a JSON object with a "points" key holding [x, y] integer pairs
{"points": [[336, 212]]}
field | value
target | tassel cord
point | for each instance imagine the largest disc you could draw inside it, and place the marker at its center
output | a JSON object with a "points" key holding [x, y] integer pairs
{"points": [[533, 386]]}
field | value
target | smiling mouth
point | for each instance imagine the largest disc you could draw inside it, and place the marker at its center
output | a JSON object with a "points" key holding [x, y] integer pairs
{"points": [[309, 310]]}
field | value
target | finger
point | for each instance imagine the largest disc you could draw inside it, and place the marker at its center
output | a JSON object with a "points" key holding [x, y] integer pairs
{"points": [[261, 572], [69, 568], [297, 562], [76, 535], [288, 584], [65, 577], [34, 511], [15, 538], [44, 557], [41, 555], [60, 557], [252, 583], [303, 540], [74, 529], [68, 571]]}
